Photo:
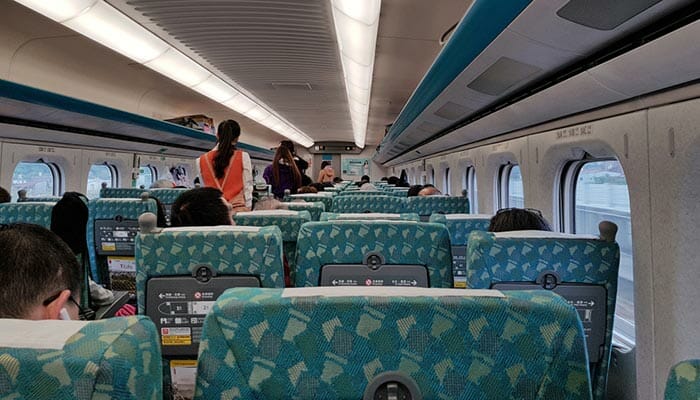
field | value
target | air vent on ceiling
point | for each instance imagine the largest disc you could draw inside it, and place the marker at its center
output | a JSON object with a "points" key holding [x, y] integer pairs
{"points": [[291, 86], [604, 15], [453, 111], [428, 127], [502, 75]]}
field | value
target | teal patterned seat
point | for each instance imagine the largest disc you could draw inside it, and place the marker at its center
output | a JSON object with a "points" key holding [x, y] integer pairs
{"points": [[377, 204], [399, 242], [27, 212], [109, 209], [289, 223], [523, 255], [121, 193], [369, 216], [116, 358], [461, 225], [312, 198], [363, 193], [684, 381], [230, 250], [428, 205], [300, 344], [49, 199], [314, 208], [167, 196]]}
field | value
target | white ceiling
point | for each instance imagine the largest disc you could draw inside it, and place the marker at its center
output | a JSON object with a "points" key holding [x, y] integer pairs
{"points": [[262, 45]]}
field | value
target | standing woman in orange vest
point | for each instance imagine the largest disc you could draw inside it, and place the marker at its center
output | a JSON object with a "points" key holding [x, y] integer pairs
{"points": [[227, 168]]}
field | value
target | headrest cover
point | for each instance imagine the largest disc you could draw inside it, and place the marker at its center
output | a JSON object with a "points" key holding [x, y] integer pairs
{"points": [[541, 235], [223, 228], [45, 334]]}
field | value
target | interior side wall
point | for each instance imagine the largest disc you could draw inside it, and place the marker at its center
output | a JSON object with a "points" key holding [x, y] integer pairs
{"points": [[659, 150]]}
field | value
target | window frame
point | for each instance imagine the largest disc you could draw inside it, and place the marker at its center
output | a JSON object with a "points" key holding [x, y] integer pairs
{"points": [[469, 185], [504, 173], [56, 177], [567, 202], [113, 172], [154, 173]]}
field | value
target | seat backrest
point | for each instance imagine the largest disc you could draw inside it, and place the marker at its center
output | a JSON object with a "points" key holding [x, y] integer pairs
{"points": [[312, 197], [107, 216], [116, 358], [460, 226], [363, 193], [369, 216], [289, 223], [27, 212], [314, 208], [428, 205], [376, 204], [683, 381], [121, 193], [530, 256], [332, 344], [348, 242], [48, 199]]}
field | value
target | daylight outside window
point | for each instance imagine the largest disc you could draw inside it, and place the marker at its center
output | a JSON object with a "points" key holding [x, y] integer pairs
{"points": [[147, 175], [99, 174], [601, 194], [39, 179]]}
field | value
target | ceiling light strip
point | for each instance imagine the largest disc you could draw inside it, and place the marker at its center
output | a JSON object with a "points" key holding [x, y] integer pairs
{"points": [[356, 25], [106, 25]]}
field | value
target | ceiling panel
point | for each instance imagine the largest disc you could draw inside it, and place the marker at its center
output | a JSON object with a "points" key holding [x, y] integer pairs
{"points": [[284, 52]]}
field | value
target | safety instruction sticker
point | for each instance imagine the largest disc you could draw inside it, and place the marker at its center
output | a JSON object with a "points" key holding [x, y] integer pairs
{"points": [[120, 264], [183, 375], [175, 336]]}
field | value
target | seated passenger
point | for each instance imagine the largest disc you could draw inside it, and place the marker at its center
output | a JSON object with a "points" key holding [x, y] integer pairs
{"points": [[267, 203], [5, 196], [201, 207], [320, 187], [393, 180], [162, 184], [337, 181], [39, 275], [307, 189], [429, 190], [413, 190], [518, 219]]}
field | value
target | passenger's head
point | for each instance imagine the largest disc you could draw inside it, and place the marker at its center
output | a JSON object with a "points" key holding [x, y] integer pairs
{"points": [[413, 190], [320, 187], [429, 190], [518, 219], [289, 145], [393, 180], [5, 196], [201, 207], [364, 179], [307, 189], [21, 195], [39, 275], [337, 179], [227, 135], [325, 164], [162, 184], [69, 219]]}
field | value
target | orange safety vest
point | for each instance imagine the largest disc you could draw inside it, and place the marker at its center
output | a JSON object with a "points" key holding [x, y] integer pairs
{"points": [[231, 188]]}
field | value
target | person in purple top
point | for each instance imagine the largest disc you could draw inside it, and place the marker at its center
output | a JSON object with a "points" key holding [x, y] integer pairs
{"points": [[283, 173]]}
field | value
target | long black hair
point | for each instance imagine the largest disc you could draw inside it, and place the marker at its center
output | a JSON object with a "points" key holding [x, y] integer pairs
{"points": [[227, 135], [283, 153]]}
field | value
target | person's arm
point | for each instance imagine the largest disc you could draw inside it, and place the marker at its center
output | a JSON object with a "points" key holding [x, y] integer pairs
{"points": [[247, 180], [321, 174]]}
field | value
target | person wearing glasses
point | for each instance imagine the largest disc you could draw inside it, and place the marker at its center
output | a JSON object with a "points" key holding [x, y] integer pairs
{"points": [[518, 219], [39, 275]]}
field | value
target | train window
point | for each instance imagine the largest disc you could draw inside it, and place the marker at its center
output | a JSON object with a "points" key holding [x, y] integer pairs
{"points": [[147, 175], [600, 193], [511, 187], [99, 174], [447, 186], [471, 188], [39, 179]]}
